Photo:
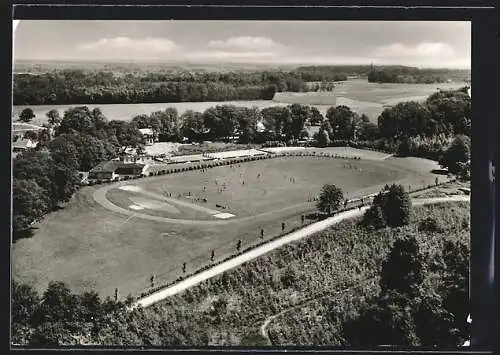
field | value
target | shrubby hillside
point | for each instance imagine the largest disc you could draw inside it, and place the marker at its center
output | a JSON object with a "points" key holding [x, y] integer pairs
{"points": [[231, 308]]}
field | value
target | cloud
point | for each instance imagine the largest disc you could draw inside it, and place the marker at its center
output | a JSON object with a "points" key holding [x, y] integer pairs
{"points": [[424, 50], [425, 54], [233, 56], [245, 43], [148, 44]]}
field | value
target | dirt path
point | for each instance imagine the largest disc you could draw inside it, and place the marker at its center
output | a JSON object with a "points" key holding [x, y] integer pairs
{"points": [[274, 244], [263, 328]]}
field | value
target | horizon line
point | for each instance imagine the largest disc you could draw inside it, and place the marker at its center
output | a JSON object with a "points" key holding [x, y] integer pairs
{"points": [[208, 62]]}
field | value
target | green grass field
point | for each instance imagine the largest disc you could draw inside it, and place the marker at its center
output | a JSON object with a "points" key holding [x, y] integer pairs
{"points": [[89, 246], [246, 193]]}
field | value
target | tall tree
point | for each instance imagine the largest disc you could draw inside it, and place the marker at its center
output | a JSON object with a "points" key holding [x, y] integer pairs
{"points": [[26, 115], [54, 117], [330, 198], [299, 114], [24, 304], [397, 206], [192, 125], [403, 270], [323, 138], [343, 121], [29, 202], [458, 152]]}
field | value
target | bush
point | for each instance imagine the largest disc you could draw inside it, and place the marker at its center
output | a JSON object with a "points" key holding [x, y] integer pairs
{"points": [[430, 224], [395, 207], [374, 217]]}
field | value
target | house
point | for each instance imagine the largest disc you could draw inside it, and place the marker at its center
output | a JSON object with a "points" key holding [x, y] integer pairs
{"points": [[261, 127], [115, 169], [105, 170], [22, 144], [131, 159], [150, 137], [131, 170]]}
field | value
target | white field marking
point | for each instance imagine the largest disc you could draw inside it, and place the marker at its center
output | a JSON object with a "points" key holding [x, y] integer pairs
{"points": [[154, 205], [136, 207], [267, 247], [130, 188], [223, 215]]}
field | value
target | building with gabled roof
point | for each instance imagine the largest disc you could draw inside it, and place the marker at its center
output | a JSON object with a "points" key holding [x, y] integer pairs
{"points": [[22, 144], [114, 169], [150, 137]]}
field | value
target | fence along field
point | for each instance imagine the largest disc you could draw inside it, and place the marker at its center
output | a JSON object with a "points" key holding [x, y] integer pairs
{"points": [[102, 250]]}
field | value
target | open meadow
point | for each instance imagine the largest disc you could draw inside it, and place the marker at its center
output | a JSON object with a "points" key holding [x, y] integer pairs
{"points": [[109, 237]]}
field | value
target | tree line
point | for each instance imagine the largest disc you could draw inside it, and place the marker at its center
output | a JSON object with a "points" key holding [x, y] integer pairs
{"points": [[411, 75], [49, 175], [438, 129], [411, 128], [74, 86]]}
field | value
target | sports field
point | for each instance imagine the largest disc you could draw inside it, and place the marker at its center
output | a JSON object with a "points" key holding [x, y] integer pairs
{"points": [[119, 235]]}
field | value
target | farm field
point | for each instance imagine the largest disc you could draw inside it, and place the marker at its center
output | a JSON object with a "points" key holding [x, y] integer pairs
{"points": [[360, 95], [89, 245]]}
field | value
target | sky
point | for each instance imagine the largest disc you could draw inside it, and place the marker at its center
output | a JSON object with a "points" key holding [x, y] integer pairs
{"points": [[422, 44]]}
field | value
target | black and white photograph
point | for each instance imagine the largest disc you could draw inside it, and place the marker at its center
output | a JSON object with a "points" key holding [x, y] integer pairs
{"points": [[219, 183]]}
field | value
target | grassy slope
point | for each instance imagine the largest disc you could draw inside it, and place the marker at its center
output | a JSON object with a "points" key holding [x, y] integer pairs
{"points": [[322, 319], [326, 262]]}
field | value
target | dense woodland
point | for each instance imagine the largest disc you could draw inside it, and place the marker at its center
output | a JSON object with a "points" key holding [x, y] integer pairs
{"points": [[81, 86], [417, 294], [74, 86], [410, 75]]}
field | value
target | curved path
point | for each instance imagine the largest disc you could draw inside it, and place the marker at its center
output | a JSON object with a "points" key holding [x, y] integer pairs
{"points": [[274, 244], [263, 328]]}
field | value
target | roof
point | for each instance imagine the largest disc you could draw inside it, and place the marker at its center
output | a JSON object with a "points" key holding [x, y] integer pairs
{"points": [[146, 131], [112, 165], [260, 127], [21, 126], [24, 143], [106, 166]]}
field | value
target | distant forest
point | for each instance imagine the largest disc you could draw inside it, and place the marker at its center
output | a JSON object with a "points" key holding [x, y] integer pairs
{"points": [[77, 86], [410, 75], [124, 84]]}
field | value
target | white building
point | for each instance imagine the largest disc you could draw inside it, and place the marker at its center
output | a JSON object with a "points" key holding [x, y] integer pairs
{"points": [[149, 136]]}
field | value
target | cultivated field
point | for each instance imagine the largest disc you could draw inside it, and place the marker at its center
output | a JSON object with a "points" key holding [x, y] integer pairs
{"points": [[91, 244], [360, 95]]}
